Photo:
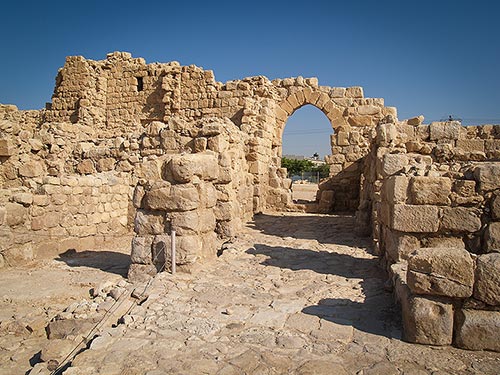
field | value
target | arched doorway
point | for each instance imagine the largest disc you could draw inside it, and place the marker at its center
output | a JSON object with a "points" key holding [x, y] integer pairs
{"points": [[306, 144]]}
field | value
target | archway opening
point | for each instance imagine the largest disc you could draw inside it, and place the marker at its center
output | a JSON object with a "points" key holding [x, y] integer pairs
{"points": [[306, 142]]}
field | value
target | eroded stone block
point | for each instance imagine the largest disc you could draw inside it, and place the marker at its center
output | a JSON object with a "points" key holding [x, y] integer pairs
{"points": [[477, 330], [430, 190], [441, 271], [487, 286], [415, 218], [461, 219]]}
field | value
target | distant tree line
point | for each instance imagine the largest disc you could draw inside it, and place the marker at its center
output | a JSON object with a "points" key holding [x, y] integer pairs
{"points": [[296, 167]]}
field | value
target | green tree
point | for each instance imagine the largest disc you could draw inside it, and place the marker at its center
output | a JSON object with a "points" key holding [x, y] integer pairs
{"points": [[296, 167], [324, 170]]}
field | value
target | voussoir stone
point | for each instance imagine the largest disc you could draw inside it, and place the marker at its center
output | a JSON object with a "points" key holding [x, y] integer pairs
{"points": [[441, 271]]}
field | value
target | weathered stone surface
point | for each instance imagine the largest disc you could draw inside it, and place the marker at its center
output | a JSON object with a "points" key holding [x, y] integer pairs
{"points": [[141, 272], [393, 163], [430, 190], [86, 167], [487, 286], [6, 147], [492, 237], [445, 130], [415, 218], [203, 165], [495, 207], [427, 320], [69, 328], [141, 250], [478, 330], [32, 168], [149, 222], [399, 246], [441, 271], [488, 176], [396, 189], [461, 219], [15, 214]]}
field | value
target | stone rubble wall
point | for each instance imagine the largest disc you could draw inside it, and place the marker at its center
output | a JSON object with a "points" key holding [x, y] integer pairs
{"points": [[434, 201], [123, 94], [204, 196]]}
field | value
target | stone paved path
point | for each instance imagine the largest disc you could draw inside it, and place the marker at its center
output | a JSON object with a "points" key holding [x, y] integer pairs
{"points": [[295, 294]]}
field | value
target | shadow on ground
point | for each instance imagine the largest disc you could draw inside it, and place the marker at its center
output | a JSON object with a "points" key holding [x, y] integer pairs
{"points": [[108, 261], [377, 314], [328, 229]]}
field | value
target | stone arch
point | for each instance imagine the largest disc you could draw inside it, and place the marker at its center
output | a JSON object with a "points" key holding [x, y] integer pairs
{"points": [[316, 98]]}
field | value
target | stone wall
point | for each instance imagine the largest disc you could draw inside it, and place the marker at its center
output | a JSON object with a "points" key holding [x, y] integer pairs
{"points": [[123, 94], [433, 196]]}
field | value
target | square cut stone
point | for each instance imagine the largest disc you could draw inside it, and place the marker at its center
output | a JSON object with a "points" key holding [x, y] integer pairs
{"points": [[415, 218]]}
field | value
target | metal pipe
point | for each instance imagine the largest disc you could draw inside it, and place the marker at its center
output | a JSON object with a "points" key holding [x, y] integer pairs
{"points": [[172, 248]]}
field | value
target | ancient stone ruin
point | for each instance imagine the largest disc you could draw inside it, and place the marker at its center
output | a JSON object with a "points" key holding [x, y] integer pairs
{"points": [[131, 151]]}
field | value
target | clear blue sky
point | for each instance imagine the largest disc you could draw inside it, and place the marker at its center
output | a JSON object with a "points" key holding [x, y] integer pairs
{"points": [[426, 57]]}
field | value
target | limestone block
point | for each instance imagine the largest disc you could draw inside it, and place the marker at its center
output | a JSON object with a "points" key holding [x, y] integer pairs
{"points": [[461, 219], [399, 246], [161, 250], [228, 228], [86, 167], [430, 190], [368, 110], [159, 197], [141, 250], [415, 218], [360, 120], [495, 207], [445, 130], [386, 133], [426, 320], [471, 145], [149, 222], [149, 170], [106, 164], [492, 237], [416, 121], [183, 197], [200, 144], [224, 211], [393, 163], [185, 167], [487, 286], [3, 213], [141, 272], [188, 249], [138, 196], [6, 147], [488, 176], [441, 271], [478, 330], [32, 168], [25, 199], [208, 194], [395, 189], [354, 92], [185, 223], [443, 242], [209, 244], [15, 214]]}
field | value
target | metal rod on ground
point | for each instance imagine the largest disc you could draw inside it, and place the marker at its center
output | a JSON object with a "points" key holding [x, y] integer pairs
{"points": [[172, 247]]}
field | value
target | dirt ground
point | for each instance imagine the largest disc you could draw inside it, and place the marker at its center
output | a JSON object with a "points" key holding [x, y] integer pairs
{"points": [[293, 294], [304, 192], [33, 294]]}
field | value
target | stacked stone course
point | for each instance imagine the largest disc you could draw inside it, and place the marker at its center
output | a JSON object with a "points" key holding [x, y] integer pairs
{"points": [[433, 195]]}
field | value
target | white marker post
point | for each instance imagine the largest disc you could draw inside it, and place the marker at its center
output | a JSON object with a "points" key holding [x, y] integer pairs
{"points": [[172, 248]]}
